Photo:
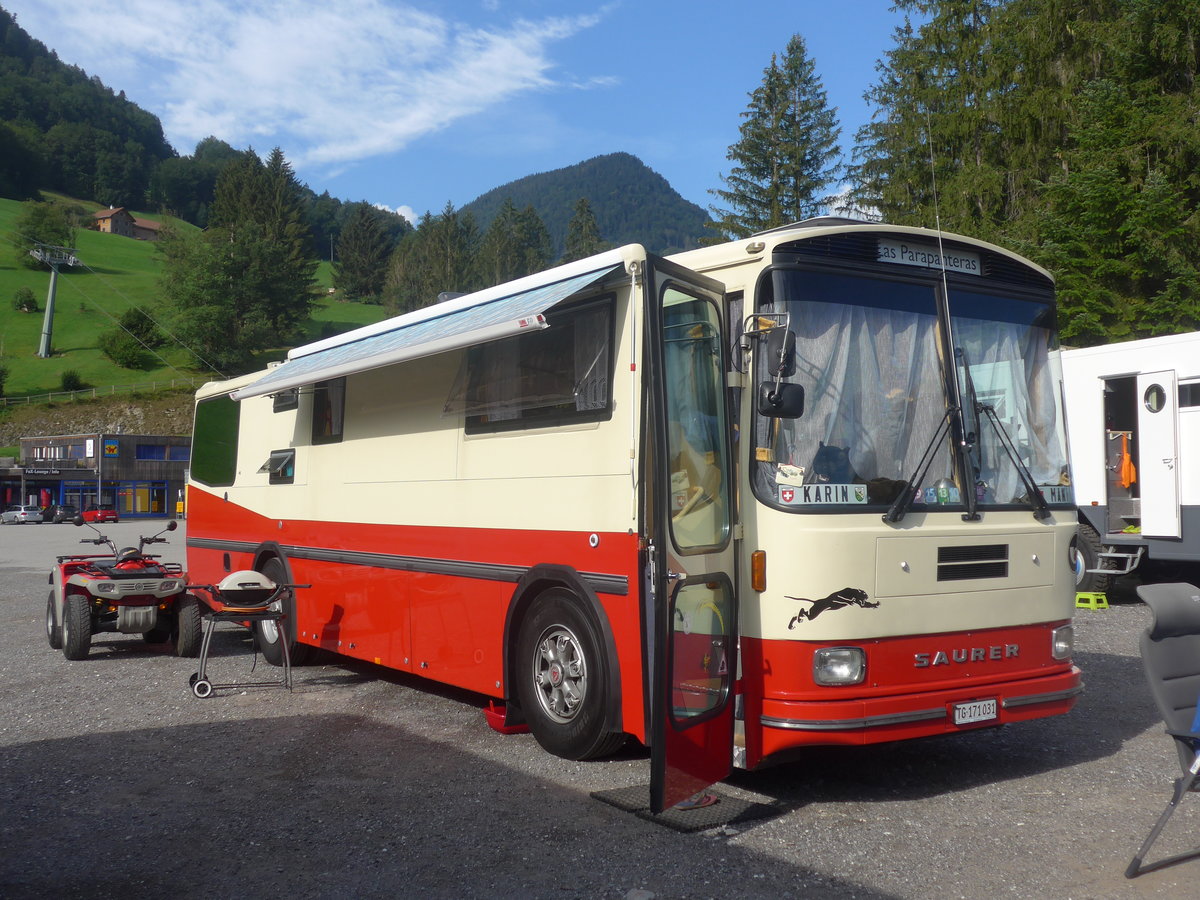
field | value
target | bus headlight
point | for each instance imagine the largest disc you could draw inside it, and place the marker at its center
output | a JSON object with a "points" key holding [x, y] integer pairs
{"points": [[1063, 642], [839, 665]]}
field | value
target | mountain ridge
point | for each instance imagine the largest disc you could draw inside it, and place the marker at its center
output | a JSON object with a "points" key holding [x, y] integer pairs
{"points": [[631, 202]]}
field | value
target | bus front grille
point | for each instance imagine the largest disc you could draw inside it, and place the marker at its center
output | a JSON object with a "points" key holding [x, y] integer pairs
{"points": [[965, 563]]}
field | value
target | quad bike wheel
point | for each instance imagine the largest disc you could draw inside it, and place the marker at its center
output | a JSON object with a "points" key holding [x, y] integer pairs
{"points": [[53, 629], [77, 627], [188, 632]]}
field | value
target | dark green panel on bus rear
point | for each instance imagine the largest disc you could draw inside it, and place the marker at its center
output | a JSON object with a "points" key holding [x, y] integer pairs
{"points": [[215, 441]]}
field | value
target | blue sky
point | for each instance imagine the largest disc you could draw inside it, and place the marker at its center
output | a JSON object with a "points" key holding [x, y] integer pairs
{"points": [[411, 104]]}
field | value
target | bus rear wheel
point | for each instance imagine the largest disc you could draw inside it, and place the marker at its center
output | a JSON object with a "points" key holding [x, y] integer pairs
{"points": [[562, 679], [269, 634]]}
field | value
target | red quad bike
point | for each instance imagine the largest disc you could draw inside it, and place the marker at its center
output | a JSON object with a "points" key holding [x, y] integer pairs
{"points": [[125, 591]]}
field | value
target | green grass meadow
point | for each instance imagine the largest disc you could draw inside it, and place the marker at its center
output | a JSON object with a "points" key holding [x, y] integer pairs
{"points": [[117, 273]]}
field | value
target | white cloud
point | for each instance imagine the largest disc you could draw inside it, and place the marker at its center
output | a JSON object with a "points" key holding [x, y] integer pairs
{"points": [[405, 211], [329, 83]]}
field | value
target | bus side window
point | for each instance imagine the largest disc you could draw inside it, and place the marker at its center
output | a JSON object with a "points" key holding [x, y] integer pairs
{"points": [[329, 410], [554, 376]]}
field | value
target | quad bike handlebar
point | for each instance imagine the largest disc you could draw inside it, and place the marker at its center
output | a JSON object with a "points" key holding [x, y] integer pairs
{"points": [[142, 541]]}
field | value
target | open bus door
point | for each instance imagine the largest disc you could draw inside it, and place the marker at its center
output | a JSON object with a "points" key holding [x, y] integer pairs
{"points": [[1158, 462], [690, 518]]}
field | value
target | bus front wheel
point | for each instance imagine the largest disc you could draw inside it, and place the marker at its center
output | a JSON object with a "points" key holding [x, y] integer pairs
{"points": [[562, 679]]}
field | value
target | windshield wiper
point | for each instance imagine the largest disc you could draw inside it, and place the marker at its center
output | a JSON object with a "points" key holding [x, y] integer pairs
{"points": [[1040, 509], [901, 504], [967, 438]]}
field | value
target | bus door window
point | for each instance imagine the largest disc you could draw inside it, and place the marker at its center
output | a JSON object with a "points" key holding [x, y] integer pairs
{"points": [[700, 509]]}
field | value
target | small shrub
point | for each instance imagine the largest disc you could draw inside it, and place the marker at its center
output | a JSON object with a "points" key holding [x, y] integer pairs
{"points": [[24, 301], [124, 350], [3, 378], [71, 381]]}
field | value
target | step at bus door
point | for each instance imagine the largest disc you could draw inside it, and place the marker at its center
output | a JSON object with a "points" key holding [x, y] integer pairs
{"points": [[690, 519], [1158, 453]]}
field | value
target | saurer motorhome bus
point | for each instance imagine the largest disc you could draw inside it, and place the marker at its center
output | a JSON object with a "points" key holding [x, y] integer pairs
{"points": [[1134, 421], [808, 488]]}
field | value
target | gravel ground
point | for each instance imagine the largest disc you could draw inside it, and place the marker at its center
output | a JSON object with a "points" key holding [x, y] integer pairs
{"points": [[115, 782]]}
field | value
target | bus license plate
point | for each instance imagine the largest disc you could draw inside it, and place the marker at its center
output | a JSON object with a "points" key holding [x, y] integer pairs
{"points": [[974, 711]]}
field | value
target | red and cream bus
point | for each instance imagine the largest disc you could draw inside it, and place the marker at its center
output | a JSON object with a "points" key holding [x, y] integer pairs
{"points": [[806, 488]]}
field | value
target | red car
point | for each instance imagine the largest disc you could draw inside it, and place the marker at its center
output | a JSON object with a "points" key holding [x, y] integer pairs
{"points": [[105, 512]]}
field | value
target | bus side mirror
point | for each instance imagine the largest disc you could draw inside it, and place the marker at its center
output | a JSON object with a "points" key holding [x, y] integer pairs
{"points": [[781, 352], [780, 401]]}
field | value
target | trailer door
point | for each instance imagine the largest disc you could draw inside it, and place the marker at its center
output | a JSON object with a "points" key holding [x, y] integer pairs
{"points": [[690, 517], [1158, 453]]}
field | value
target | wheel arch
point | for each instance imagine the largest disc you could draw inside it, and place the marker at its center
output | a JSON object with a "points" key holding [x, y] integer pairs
{"points": [[268, 550], [535, 582]]}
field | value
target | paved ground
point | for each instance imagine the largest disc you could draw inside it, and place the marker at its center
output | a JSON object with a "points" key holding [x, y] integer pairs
{"points": [[115, 782]]}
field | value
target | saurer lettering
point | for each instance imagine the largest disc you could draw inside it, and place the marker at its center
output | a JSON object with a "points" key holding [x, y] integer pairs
{"points": [[965, 654]]}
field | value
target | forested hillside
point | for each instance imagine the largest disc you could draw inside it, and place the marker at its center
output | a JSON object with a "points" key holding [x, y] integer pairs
{"points": [[1066, 131], [63, 131], [631, 202]]}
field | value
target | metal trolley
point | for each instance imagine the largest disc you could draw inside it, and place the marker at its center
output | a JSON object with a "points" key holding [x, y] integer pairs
{"points": [[241, 597]]}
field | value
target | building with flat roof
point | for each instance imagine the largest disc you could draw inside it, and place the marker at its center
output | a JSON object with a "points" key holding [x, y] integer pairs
{"points": [[142, 475]]}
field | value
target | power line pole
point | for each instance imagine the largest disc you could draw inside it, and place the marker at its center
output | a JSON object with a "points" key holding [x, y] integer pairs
{"points": [[53, 257]]}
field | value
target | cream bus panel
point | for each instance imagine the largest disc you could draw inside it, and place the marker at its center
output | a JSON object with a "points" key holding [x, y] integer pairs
{"points": [[572, 477], [848, 583], [907, 566]]}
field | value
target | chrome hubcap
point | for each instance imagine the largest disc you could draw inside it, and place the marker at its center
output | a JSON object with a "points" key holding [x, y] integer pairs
{"points": [[560, 673]]}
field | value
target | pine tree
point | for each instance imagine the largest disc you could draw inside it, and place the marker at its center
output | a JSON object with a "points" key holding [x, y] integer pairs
{"points": [[247, 283], [936, 125], [363, 250], [499, 257], [583, 234], [516, 243], [785, 160], [533, 242], [439, 257]]}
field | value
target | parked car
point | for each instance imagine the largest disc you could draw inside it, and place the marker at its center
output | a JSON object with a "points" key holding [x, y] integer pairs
{"points": [[104, 512], [19, 515], [59, 513]]}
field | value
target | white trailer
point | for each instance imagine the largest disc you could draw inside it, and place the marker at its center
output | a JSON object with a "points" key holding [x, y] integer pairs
{"points": [[1133, 423]]}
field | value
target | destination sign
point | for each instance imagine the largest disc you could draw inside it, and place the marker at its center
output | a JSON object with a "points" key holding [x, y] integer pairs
{"points": [[928, 256]]}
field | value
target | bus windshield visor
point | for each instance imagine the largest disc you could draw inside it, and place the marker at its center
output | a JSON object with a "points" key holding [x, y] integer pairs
{"points": [[1004, 349], [866, 355]]}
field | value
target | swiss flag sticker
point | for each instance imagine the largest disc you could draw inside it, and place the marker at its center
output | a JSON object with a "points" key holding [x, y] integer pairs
{"points": [[787, 495]]}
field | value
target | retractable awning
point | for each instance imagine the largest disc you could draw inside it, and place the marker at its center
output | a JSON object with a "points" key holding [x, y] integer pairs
{"points": [[473, 319]]}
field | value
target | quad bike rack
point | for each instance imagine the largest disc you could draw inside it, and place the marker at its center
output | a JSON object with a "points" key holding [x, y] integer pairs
{"points": [[242, 597]]}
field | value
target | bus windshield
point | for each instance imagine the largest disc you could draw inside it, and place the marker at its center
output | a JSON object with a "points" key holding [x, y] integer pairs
{"points": [[1002, 350], [870, 358]]}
